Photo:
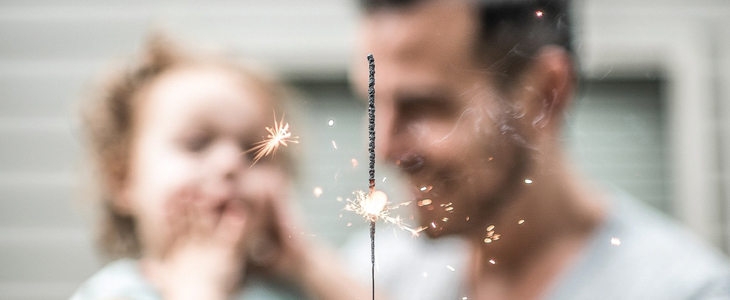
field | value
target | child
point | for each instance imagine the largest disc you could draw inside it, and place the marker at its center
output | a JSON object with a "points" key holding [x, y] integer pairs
{"points": [[186, 207], [182, 197]]}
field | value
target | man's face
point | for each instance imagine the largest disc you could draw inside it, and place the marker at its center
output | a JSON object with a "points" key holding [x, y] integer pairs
{"points": [[440, 117]]}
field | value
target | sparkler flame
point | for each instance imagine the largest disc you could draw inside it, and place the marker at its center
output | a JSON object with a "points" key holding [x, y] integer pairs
{"points": [[374, 206], [279, 135]]}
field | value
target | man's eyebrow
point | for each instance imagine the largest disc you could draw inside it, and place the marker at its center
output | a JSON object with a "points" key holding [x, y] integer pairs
{"points": [[422, 95]]}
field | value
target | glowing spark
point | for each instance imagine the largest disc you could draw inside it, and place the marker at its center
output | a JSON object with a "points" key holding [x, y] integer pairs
{"points": [[317, 192], [528, 181], [278, 135], [464, 298], [615, 241], [331, 122], [491, 261], [450, 268], [520, 222], [539, 13], [424, 202], [349, 224], [334, 144], [487, 240], [433, 225], [375, 207], [384, 178], [354, 163], [490, 228]]}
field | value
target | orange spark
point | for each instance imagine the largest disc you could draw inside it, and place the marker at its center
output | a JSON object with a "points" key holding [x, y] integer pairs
{"points": [[278, 135]]}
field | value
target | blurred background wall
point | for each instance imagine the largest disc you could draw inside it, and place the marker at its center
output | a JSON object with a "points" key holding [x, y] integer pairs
{"points": [[652, 116]]}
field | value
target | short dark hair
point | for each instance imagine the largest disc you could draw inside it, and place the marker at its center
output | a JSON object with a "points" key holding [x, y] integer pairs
{"points": [[510, 32]]}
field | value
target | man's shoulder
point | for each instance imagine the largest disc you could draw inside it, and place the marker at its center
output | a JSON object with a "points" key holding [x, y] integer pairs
{"points": [[648, 236], [642, 254], [120, 279]]}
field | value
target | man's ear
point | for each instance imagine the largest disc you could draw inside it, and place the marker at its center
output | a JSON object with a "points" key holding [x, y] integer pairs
{"points": [[553, 81]]}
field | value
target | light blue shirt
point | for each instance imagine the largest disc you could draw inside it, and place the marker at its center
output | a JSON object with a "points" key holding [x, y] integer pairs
{"points": [[655, 259], [123, 279]]}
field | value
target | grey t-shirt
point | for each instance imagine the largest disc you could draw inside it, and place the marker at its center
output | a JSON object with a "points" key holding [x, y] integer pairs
{"points": [[650, 257], [123, 280]]}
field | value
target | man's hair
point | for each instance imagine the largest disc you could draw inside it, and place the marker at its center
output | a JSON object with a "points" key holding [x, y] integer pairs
{"points": [[511, 32]]}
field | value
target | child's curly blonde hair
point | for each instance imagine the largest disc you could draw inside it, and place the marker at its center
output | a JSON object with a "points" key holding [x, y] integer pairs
{"points": [[109, 119]]}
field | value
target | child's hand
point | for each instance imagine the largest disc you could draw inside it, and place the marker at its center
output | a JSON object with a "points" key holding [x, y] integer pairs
{"points": [[204, 257], [276, 248], [280, 249]]}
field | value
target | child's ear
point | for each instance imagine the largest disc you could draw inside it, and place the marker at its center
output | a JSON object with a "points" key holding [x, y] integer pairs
{"points": [[123, 202], [121, 193]]}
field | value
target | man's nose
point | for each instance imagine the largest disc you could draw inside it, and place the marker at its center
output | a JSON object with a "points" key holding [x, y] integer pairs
{"points": [[397, 144]]}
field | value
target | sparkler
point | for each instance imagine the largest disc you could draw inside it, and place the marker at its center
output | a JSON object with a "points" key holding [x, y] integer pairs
{"points": [[371, 149], [373, 206], [279, 135]]}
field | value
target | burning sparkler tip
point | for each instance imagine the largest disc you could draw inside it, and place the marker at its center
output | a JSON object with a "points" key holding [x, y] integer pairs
{"points": [[374, 206]]}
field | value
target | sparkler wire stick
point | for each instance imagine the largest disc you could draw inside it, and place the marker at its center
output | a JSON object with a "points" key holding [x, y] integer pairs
{"points": [[371, 148]]}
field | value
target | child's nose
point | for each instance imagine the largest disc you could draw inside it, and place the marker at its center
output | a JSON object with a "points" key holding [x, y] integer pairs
{"points": [[227, 161]]}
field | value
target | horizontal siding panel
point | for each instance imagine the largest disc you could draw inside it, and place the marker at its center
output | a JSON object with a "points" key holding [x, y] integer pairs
{"points": [[33, 96], [39, 150], [42, 206], [37, 290], [46, 255], [259, 31], [69, 39]]}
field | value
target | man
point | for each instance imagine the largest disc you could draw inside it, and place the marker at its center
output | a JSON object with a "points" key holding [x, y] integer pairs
{"points": [[470, 99]]}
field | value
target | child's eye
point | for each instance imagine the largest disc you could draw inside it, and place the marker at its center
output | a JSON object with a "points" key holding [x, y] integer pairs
{"points": [[249, 149], [196, 143]]}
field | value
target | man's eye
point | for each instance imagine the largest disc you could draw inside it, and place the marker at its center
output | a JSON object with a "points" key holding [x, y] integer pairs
{"points": [[421, 110], [197, 143], [432, 108]]}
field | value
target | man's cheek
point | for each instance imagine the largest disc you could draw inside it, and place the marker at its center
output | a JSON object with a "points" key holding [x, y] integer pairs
{"points": [[418, 130]]}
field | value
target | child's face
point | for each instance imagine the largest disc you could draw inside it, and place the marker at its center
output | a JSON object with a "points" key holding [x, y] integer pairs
{"points": [[193, 128]]}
